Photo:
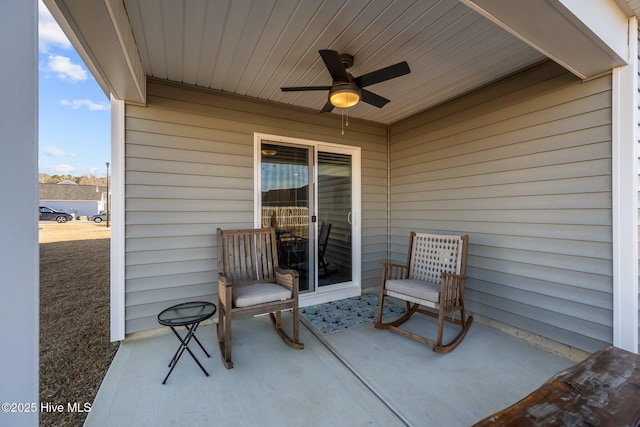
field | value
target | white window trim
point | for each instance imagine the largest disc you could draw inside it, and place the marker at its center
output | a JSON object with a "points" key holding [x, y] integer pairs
{"points": [[116, 188], [625, 197]]}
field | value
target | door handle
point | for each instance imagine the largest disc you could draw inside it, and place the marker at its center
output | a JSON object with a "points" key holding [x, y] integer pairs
{"points": [[349, 217]]}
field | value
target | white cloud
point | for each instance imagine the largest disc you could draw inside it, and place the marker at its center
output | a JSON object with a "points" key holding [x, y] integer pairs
{"points": [[59, 169], [92, 106], [49, 33], [65, 69], [57, 152]]}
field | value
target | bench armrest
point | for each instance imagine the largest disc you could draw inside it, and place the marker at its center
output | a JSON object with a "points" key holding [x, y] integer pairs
{"points": [[287, 278], [224, 289], [224, 280]]}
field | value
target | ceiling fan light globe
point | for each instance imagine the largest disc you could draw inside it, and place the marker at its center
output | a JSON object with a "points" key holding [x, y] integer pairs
{"points": [[344, 95]]}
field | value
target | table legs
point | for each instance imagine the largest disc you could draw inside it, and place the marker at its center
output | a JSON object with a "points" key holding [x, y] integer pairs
{"points": [[184, 345]]}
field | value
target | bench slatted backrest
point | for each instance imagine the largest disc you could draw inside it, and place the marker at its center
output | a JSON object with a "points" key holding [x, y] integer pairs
{"points": [[248, 255], [432, 254]]}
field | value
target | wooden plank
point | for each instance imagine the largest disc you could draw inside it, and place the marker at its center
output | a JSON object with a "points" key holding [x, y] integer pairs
{"points": [[602, 390]]}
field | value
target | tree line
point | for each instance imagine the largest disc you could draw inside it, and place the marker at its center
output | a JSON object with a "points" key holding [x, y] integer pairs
{"points": [[86, 179]]}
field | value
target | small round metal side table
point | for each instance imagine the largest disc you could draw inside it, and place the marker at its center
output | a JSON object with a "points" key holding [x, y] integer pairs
{"points": [[189, 315]]}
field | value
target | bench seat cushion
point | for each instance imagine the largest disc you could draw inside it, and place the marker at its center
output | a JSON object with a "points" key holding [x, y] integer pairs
{"points": [[415, 288], [259, 293]]}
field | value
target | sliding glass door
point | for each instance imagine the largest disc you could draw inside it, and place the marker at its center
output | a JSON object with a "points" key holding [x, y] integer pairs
{"points": [[335, 187], [286, 205], [309, 192]]}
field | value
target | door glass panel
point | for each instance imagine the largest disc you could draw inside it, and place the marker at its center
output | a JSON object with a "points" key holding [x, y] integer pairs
{"points": [[285, 205], [334, 218]]}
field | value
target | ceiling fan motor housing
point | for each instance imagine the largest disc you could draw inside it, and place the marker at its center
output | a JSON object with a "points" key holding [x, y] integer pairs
{"points": [[346, 59]]}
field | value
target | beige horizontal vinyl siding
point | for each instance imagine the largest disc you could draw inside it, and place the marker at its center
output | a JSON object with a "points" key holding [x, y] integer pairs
{"points": [[189, 169], [523, 167]]}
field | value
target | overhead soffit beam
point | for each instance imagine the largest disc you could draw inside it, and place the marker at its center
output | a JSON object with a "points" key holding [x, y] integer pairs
{"points": [[630, 7], [585, 37], [101, 34], [625, 6]]}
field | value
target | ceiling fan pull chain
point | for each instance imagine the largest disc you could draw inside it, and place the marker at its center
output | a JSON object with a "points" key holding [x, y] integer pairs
{"points": [[342, 120]]}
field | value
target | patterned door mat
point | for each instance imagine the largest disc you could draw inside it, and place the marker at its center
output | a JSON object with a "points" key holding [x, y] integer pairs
{"points": [[346, 313]]}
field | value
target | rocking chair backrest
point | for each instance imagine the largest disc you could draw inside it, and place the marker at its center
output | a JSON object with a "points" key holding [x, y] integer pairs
{"points": [[430, 255], [248, 255]]}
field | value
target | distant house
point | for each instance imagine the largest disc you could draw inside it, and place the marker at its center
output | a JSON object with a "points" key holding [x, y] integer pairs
{"points": [[76, 199], [68, 182]]}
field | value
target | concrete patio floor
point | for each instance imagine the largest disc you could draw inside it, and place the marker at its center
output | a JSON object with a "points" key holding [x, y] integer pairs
{"points": [[357, 377]]}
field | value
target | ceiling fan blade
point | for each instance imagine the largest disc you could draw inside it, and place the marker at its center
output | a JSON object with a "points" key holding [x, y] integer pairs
{"points": [[328, 107], [299, 88], [387, 73], [373, 99], [334, 65]]}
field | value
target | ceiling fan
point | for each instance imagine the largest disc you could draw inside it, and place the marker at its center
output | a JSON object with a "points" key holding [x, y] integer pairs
{"points": [[346, 90]]}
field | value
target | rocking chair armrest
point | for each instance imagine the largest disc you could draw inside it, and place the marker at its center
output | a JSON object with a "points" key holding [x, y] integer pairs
{"points": [[391, 270], [287, 278], [452, 276], [452, 290], [392, 264]]}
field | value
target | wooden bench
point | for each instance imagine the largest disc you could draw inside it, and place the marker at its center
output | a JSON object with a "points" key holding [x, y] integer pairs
{"points": [[602, 390]]}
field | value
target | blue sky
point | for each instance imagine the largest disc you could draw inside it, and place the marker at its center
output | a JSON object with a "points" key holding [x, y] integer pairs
{"points": [[74, 113]]}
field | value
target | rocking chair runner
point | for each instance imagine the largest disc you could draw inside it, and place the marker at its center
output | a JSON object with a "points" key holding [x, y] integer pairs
{"points": [[250, 282], [433, 277]]}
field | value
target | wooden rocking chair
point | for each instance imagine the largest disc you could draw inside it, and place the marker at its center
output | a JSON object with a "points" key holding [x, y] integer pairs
{"points": [[250, 282], [433, 277]]}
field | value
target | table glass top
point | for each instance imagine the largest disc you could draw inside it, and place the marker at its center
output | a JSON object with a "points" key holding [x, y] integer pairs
{"points": [[186, 313]]}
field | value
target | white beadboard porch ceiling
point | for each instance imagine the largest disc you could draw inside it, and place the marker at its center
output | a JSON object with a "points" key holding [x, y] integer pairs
{"points": [[252, 48]]}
